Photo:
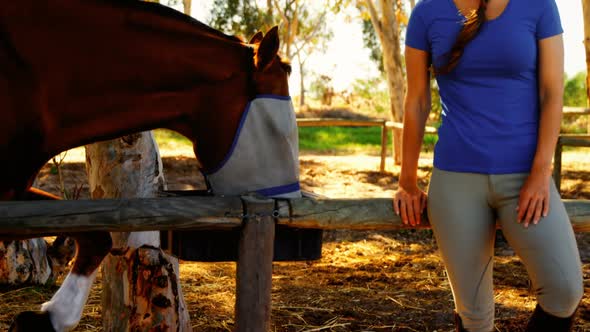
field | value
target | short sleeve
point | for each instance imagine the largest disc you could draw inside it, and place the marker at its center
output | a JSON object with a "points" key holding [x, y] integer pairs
{"points": [[549, 23], [417, 33]]}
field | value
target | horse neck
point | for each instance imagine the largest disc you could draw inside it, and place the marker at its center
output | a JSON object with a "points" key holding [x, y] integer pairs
{"points": [[127, 66], [207, 114]]}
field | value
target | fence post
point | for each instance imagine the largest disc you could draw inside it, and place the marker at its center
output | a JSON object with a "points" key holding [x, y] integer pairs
{"points": [[383, 146], [557, 164], [254, 267]]}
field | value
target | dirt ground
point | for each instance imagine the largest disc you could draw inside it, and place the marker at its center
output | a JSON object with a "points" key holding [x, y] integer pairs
{"points": [[365, 281]]}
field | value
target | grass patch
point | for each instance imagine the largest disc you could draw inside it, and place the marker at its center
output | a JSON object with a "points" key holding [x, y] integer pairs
{"points": [[324, 139], [171, 140], [348, 139], [313, 139]]}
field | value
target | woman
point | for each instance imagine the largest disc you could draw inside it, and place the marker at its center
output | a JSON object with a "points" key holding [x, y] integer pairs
{"points": [[499, 67]]}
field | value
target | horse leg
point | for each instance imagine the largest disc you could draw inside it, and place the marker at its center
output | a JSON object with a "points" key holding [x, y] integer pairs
{"points": [[64, 310]]}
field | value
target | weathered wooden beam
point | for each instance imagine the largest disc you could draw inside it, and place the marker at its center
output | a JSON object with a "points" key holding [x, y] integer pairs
{"points": [[50, 217], [557, 165], [330, 122], [124, 215], [377, 214], [384, 136], [566, 140], [575, 111], [574, 140], [254, 267], [399, 125]]}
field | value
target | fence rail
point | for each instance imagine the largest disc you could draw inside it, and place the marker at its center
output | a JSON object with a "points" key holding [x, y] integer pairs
{"points": [[130, 215], [575, 111], [386, 126], [566, 140]]}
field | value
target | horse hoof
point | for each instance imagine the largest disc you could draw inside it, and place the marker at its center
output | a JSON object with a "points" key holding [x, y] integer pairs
{"points": [[30, 321]]}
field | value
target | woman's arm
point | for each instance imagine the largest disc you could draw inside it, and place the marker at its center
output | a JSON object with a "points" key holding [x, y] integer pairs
{"points": [[534, 195], [409, 200]]}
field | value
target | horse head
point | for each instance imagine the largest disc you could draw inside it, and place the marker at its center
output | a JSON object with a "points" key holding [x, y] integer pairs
{"points": [[264, 155]]}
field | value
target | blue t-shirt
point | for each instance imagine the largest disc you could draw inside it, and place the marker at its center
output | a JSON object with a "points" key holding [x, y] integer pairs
{"points": [[490, 100]]}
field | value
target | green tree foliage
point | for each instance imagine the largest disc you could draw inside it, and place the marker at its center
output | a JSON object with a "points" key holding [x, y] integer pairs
{"points": [[238, 17], [370, 38], [319, 86], [303, 25], [374, 92], [372, 43], [574, 93]]}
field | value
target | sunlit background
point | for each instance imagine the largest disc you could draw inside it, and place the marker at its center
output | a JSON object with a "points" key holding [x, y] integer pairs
{"points": [[347, 59]]}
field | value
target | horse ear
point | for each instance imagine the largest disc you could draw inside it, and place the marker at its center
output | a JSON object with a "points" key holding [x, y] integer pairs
{"points": [[256, 38], [267, 51]]}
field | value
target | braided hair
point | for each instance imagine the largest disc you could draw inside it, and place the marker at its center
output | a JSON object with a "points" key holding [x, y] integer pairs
{"points": [[471, 27]]}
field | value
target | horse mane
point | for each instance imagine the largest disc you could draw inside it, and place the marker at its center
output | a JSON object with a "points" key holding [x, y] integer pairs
{"points": [[156, 8]]}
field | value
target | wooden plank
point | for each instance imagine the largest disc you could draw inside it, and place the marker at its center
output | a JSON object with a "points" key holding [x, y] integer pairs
{"points": [[579, 213], [254, 267], [574, 140], [46, 217], [384, 136], [399, 125], [353, 214], [124, 215], [566, 140], [557, 165], [575, 111], [377, 214], [337, 122]]}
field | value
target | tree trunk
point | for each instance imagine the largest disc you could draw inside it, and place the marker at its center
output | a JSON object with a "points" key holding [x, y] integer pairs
{"points": [[141, 287], [301, 82], [289, 26], [586, 13], [187, 6], [24, 262], [387, 28], [269, 15], [31, 261]]}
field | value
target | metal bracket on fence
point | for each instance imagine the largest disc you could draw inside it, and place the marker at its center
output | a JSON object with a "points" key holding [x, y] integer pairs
{"points": [[255, 198], [275, 214]]}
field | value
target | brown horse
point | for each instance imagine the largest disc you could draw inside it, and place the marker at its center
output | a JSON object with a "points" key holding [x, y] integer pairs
{"points": [[74, 72]]}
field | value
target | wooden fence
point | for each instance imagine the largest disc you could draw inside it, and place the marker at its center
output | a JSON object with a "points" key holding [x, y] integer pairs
{"points": [[386, 126], [578, 111], [131, 215], [570, 140], [256, 217], [566, 140]]}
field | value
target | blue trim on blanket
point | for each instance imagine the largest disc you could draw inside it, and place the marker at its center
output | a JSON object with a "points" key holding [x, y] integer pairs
{"points": [[241, 125], [234, 143], [279, 190], [269, 96]]}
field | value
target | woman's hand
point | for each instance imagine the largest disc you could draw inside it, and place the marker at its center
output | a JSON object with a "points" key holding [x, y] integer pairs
{"points": [[534, 198], [534, 194], [409, 202]]}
